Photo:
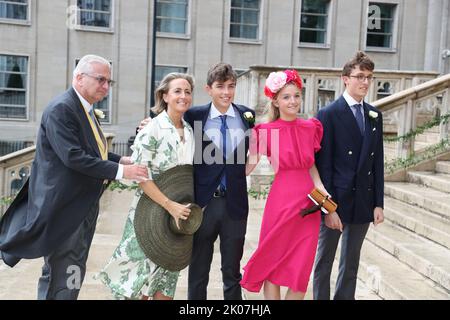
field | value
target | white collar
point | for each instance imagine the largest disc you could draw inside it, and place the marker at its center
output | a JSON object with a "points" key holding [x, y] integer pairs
{"points": [[84, 102], [350, 100], [216, 113], [165, 122]]}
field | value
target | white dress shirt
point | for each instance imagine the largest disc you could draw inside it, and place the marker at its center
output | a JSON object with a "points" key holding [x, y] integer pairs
{"points": [[88, 107], [351, 102]]}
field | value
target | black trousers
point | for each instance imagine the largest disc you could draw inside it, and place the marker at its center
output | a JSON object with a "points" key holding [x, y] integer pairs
{"points": [[353, 237], [64, 269], [217, 222]]}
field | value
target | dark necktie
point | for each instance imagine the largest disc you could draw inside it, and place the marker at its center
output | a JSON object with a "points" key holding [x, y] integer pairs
{"points": [[359, 118], [91, 113], [223, 132], [100, 132]]}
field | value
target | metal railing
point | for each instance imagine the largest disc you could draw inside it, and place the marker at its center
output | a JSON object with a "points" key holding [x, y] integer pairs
{"points": [[121, 148], [7, 147]]}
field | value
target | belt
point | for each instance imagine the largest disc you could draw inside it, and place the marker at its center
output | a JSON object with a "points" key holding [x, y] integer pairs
{"points": [[219, 193]]}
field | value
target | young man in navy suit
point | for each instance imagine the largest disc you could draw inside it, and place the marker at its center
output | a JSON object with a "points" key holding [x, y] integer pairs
{"points": [[221, 133], [351, 167]]}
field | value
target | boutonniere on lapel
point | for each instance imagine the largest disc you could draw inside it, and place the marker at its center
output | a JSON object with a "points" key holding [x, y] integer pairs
{"points": [[248, 116], [373, 115], [99, 114]]}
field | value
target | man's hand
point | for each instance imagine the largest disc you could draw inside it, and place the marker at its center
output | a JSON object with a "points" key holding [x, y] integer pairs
{"points": [[378, 216], [135, 172], [143, 123], [125, 160], [333, 221]]}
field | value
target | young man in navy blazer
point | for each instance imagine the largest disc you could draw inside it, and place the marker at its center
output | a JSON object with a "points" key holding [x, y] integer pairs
{"points": [[221, 133], [351, 167]]}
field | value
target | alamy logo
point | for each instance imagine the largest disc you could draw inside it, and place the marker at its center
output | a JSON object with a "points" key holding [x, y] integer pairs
{"points": [[373, 278], [374, 20], [72, 15], [74, 280]]}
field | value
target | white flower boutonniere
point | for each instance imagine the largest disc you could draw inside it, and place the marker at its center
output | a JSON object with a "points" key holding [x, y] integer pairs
{"points": [[248, 116], [99, 114], [373, 114]]}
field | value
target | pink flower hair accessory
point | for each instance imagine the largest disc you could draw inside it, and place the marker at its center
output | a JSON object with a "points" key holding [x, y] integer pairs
{"points": [[277, 80]]}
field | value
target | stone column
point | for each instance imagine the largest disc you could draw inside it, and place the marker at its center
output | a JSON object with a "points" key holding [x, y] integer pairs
{"points": [[432, 41], [444, 60]]}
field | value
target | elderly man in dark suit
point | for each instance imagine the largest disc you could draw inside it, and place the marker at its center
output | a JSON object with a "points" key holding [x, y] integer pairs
{"points": [[350, 164], [55, 213]]}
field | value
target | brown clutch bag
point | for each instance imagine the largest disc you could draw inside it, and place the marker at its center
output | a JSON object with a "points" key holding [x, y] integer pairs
{"points": [[322, 202]]}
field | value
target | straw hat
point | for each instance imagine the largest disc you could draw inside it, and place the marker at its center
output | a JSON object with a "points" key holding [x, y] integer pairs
{"points": [[156, 231]]}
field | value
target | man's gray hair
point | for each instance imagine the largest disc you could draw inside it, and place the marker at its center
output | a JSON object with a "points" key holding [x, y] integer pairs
{"points": [[84, 65]]}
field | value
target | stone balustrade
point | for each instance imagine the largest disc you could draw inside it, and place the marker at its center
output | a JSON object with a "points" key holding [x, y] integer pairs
{"points": [[15, 168], [407, 100]]}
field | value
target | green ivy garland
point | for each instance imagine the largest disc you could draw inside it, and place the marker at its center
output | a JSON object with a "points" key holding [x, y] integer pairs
{"points": [[120, 186], [414, 159], [389, 167], [6, 201], [420, 129]]}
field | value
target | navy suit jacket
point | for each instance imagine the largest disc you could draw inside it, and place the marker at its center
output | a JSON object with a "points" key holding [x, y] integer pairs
{"points": [[66, 181], [351, 166], [207, 175]]}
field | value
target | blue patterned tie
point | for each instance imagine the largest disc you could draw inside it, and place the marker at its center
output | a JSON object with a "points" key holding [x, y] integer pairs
{"points": [[359, 118], [223, 132]]}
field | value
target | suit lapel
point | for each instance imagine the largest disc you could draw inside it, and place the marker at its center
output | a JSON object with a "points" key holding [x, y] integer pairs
{"points": [[348, 122], [204, 114], [84, 121], [241, 113], [368, 133]]}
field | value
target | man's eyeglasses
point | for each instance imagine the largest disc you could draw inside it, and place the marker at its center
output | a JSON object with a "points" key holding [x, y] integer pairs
{"points": [[361, 78], [101, 80]]}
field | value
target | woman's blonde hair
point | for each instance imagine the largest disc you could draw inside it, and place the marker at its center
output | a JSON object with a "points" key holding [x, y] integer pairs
{"points": [[164, 85], [272, 112]]}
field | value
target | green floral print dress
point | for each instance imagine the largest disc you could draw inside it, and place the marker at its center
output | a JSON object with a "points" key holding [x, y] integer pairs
{"points": [[129, 273]]}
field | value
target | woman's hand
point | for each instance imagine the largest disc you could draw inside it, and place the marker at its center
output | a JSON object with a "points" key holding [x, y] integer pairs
{"points": [[177, 211], [322, 189]]}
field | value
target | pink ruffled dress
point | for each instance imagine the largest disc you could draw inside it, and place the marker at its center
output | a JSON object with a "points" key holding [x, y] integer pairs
{"points": [[287, 242]]}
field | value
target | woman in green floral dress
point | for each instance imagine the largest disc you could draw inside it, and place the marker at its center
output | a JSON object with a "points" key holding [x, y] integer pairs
{"points": [[165, 142]]}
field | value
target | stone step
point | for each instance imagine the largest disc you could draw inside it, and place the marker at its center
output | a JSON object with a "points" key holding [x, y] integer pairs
{"points": [[393, 280], [428, 258], [443, 167], [413, 194], [420, 221], [390, 145], [438, 181], [429, 137], [418, 145]]}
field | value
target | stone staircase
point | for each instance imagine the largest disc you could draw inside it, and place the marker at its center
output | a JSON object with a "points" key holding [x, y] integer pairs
{"points": [[408, 256]]}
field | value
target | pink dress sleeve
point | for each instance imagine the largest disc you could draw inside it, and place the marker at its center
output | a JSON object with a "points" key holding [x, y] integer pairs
{"points": [[318, 134]]}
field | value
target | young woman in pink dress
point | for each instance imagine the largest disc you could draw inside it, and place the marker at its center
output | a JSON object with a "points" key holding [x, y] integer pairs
{"points": [[288, 241]]}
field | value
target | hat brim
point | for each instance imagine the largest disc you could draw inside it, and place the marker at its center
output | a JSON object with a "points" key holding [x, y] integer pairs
{"points": [[152, 223]]}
